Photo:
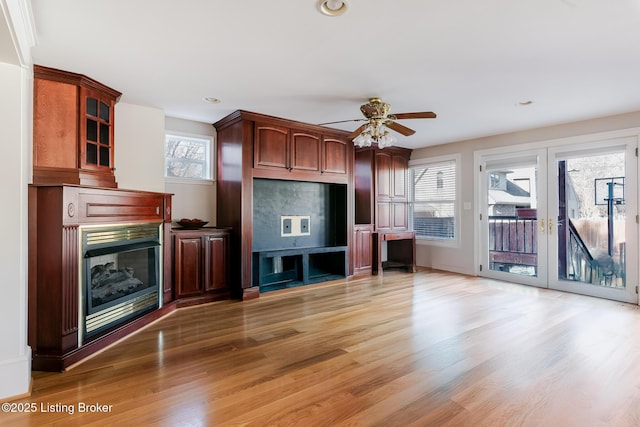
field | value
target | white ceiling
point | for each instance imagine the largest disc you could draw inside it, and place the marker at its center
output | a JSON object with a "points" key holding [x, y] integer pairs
{"points": [[469, 61]]}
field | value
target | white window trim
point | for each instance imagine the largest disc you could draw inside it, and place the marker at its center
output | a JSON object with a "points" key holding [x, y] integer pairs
{"points": [[212, 158], [455, 242]]}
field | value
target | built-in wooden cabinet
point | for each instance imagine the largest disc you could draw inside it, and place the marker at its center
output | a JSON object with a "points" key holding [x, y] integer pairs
{"points": [[256, 146], [381, 188], [381, 203], [335, 156], [282, 148], [272, 146], [391, 189], [200, 263], [73, 129], [59, 217], [362, 248]]}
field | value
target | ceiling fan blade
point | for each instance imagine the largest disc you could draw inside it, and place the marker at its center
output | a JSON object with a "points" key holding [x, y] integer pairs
{"points": [[358, 131], [421, 115], [342, 121], [400, 128]]}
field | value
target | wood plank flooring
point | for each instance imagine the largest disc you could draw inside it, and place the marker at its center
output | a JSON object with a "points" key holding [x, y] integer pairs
{"points": [[423, 349]]}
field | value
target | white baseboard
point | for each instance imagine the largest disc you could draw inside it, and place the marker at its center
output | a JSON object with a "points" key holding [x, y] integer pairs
{"points": [[16, 376]]}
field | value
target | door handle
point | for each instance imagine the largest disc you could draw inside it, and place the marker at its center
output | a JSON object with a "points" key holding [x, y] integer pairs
{"points": [[550, 226], [542, 226]]}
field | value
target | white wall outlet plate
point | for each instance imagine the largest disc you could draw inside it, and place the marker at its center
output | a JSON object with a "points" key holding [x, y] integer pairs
{"points": [[295, 225]]}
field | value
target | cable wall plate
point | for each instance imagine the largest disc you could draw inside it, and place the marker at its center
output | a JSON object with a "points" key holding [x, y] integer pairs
{"points": [[295, 225]]}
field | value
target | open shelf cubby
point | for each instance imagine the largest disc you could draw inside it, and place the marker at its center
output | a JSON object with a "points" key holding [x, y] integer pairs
{"points": [[286, 268]]}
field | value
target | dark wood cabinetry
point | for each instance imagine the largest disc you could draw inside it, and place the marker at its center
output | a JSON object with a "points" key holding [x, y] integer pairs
{"points": [[381, 188], [298, 151], [59, 219], [271, 146], [391, 190], [335, 156], [283, 148], [252, 145], [381, 196], [73, 129], [200, 264], [362, 248]]}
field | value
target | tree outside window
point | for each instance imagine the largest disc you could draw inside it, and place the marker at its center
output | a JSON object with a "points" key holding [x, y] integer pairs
{"points": [[188, 157]]}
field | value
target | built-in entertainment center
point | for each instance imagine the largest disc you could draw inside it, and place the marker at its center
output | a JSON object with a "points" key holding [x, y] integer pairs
{"points": [[284, 189], [299, 234]]}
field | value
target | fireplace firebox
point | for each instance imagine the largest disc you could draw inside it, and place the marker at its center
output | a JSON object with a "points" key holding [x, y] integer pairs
{"points": [[120, 275]]}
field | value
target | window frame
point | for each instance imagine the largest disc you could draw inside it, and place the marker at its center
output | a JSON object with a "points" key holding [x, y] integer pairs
{"points": [[418, 163], [209, 162]]}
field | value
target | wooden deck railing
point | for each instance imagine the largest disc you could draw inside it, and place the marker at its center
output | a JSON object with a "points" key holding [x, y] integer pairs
{"points": [[513, 241]]}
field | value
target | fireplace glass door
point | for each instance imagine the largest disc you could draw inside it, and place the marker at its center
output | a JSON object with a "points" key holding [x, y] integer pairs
{"points": [[121, 274]]}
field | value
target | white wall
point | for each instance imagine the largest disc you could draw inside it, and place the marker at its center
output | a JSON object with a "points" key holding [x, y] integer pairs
{"points": [[15, 119], [462, 259], [192, 200], [139, 147]]}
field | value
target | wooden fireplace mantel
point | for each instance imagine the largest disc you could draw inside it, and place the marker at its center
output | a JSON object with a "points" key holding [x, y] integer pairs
{"points": [[56, 215]]}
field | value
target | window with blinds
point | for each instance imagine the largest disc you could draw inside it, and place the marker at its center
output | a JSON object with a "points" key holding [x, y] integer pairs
{"points": [[433, 199]]}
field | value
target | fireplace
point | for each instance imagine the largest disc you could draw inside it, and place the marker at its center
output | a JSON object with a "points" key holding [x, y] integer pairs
{"points": [[120, 277], [120, 234]]}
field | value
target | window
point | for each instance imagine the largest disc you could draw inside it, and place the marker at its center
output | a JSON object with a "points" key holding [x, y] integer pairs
{"points": [[433, 199], [188, 157]]}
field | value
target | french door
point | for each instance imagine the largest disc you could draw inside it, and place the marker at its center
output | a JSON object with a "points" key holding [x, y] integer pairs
{"points": [[562, 218]]}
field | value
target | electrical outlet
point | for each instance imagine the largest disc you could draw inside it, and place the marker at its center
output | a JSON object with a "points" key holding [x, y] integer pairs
{"points": [[286, 226], [295, 225]]}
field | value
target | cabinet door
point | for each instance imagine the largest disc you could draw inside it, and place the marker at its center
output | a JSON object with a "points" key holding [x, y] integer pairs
{"points": [[399, 216], [399, 170], [305, 151], [271, 146], [383, 216], [363, 247], [334, 156], [383, 176], [215, 263], [96, 131], [55, 124], [188, 265]]}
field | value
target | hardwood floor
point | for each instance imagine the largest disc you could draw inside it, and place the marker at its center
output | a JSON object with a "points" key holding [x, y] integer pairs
{"points": [[423, 349]]}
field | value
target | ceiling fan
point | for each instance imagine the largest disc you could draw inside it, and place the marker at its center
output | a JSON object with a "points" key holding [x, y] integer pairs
{"points": [[378, 119]]}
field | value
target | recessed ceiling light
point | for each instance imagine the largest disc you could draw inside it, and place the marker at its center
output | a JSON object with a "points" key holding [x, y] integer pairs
{"points": [[211, 100], [332, 7], [525, 103]]}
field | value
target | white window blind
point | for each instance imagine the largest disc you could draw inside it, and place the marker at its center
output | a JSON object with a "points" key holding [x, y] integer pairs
{"points": [[433, 197]]}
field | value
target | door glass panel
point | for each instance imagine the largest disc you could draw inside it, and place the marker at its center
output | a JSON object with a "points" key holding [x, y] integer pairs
{"points": [[512, 219], [591, 219]]}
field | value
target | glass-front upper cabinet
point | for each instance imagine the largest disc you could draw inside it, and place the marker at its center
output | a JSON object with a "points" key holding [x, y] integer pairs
{"points": [[97, 144], [73, 129]]}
